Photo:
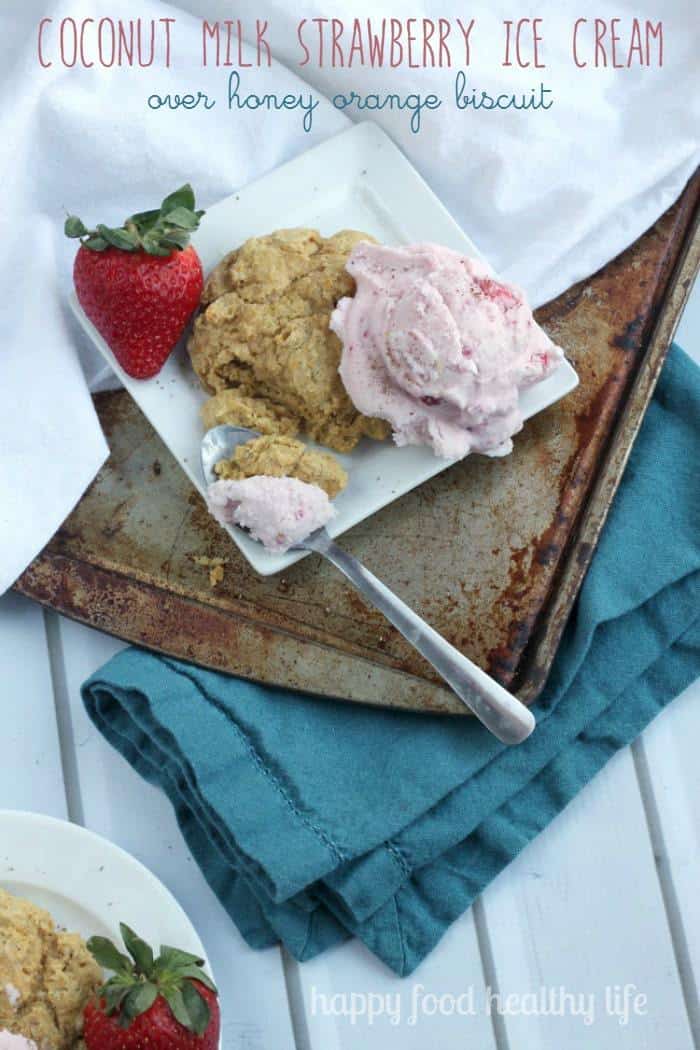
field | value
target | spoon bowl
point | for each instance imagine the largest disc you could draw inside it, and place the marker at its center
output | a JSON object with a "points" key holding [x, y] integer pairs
{"points": [[219, 443]]}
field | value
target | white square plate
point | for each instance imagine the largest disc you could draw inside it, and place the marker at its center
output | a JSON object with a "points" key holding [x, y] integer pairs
{"points": [[358, 180]]}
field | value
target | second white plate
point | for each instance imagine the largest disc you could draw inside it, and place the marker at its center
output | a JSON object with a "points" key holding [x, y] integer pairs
{"points": [[88, 884], [358, 180]]}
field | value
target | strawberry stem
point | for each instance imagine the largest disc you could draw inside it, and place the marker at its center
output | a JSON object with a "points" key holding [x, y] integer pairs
{"points": [[138, 981], [160, 231]]}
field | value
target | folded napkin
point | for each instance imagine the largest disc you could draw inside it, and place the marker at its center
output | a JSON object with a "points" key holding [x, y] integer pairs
{"points": [[315, 820]]}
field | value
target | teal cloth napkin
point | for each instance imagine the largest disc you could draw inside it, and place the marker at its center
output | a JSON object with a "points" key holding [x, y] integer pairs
{"points": [[314, 821]]}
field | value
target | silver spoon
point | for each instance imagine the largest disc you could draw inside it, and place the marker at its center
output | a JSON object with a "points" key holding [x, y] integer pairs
{"points": [[502, 713]]}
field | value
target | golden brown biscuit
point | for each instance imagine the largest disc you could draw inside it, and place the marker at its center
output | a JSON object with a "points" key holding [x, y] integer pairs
{"points": [[46, 976], [280, 457], [228, 406], [264, 332]]}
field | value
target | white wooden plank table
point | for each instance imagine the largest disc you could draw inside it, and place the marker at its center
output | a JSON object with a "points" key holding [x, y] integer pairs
{"points": [[606, 898]]}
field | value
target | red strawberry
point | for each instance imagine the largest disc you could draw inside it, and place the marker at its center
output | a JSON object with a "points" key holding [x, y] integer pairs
{"points": [[164, 1003], [140, 283]]}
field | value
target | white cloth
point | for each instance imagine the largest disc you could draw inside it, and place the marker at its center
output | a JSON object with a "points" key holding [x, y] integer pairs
{"points": [[548, 196]]}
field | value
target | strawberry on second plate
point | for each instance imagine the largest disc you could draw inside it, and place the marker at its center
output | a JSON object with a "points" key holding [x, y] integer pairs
{"points": [[163, 1003], [140, 283]]}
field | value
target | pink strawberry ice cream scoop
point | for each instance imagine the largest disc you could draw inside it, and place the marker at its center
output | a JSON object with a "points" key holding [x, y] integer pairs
{"points": [[434, 344], [277, 511], [8, 1041]]}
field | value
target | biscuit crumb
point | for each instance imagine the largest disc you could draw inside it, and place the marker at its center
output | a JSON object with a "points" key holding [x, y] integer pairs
{"points": [[216, 568], [216, 575]]}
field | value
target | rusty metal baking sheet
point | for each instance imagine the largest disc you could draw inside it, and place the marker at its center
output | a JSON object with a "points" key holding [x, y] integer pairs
{"points": [[491, 552]]}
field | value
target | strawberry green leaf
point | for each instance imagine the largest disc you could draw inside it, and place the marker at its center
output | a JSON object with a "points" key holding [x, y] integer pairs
{"points": [[153, 245], [95, 243], [174, 999], [195, 973], [118, 238], [138, 1000], [108, 956], [75, 227], [197, 1008], [182, 217], [175, 238], [114, 994], [144, 220], [174, 958], [139, 951], [182, 198]]}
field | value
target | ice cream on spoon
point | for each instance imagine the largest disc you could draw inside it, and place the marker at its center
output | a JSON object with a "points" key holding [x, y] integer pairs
{"points": [[279, 512]]}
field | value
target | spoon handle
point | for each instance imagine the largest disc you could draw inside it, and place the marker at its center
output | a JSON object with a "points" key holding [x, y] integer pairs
{"points": [[502, 713]]}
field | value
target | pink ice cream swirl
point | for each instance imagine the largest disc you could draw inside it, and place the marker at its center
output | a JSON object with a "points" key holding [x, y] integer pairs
{"points": [[434, 344]]}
